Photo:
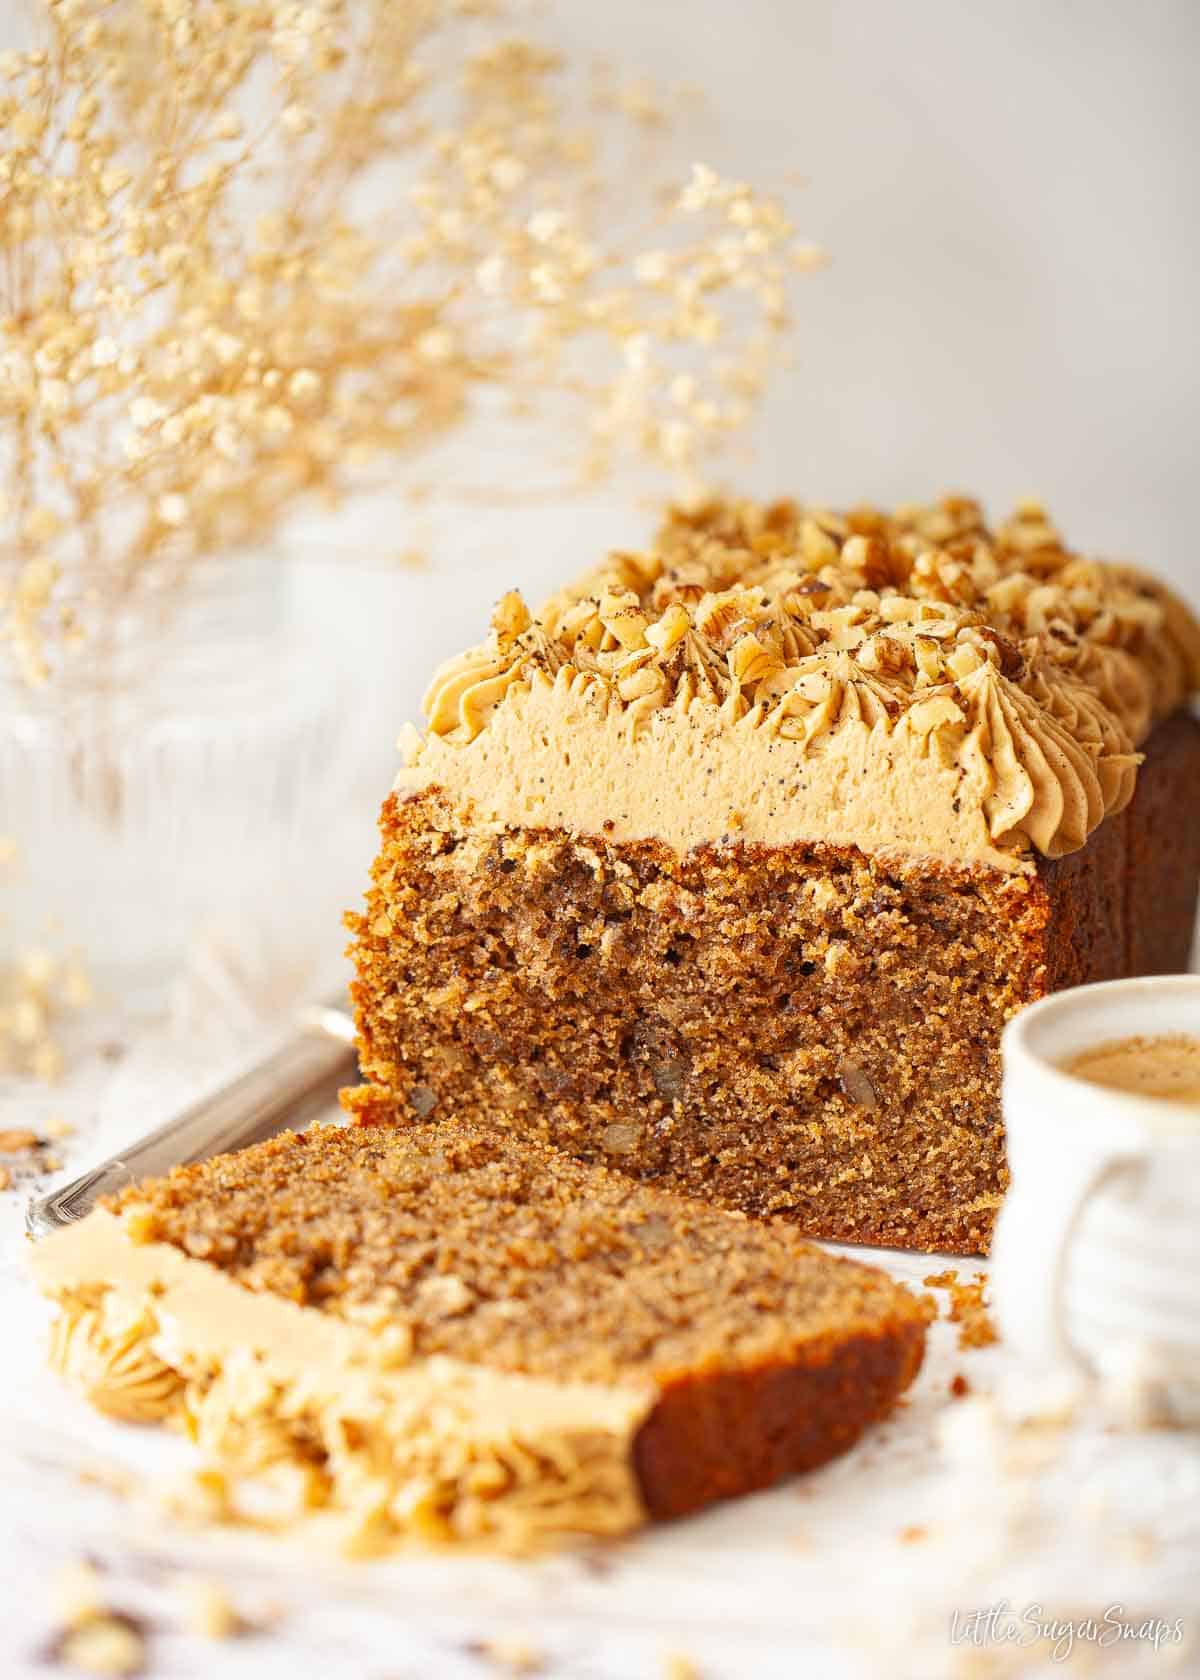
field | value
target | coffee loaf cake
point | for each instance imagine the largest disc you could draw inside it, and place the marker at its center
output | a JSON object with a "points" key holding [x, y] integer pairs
{"points": [[452, 1334], [728, 865]]}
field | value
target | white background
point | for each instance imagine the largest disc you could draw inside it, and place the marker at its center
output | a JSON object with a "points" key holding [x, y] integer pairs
{"points": [[1009, 195]]}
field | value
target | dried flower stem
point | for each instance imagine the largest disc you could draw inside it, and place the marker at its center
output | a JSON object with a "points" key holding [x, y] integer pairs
{"points": [[247, 246]]}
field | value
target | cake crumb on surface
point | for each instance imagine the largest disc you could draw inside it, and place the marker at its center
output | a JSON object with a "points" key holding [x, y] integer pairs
{"points": [[78, 1591], [16, 1140], [516, 1656], [968, 1309], [110, 1643], [94, 1637], [208, 1609], [940, 1280]]}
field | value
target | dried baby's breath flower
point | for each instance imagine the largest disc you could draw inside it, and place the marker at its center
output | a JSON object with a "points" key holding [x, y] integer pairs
{"points": [[38, 988], [248, 246]]}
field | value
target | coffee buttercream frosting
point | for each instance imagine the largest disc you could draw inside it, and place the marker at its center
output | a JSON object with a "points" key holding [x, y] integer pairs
{"points": [[912, 681], [327, 1422]]}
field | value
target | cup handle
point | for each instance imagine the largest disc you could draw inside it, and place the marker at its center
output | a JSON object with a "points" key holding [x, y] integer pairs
{"points": [[1030, 1246]]}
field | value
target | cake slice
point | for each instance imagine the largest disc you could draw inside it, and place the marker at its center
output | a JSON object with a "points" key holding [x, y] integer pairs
{"points": [[728, 865], [457, 1334]]}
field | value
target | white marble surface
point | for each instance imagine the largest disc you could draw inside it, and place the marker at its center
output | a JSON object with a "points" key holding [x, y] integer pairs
{"points": [[954, 1505]]}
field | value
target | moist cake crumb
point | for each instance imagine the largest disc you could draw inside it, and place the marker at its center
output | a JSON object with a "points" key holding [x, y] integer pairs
{"points": [[452, 1333], [495, 1248], [727, 867]]}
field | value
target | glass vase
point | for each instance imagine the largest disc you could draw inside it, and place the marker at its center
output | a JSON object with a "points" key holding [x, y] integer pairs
{"points": [[189, 790]]}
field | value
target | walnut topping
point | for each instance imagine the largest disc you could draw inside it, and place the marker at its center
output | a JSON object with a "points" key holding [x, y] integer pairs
{"points": [[510, 618], [1028, 669], [934, 713], [735, 598]]}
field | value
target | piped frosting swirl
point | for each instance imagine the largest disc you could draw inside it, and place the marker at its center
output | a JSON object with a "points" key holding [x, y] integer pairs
{"points": [[1025, 673]]}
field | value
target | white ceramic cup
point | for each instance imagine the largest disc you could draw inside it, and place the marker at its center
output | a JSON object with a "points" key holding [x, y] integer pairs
{"points": [[1096, 1256]]}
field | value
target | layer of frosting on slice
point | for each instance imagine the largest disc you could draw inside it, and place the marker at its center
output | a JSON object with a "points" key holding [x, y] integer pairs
{"points": [[309, 1417], [910, 681]]}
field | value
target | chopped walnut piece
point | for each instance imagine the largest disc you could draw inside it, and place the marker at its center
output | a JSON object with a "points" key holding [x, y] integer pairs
{"points": [[141, 1223], [95, 1637], [17, 1142], [517, 1656], [678, 1666], [109, 1643], [444, 1297], [208, 1609], [79, 1591], [621, 1138], [510, 617], [856, 1083], [741, 606], [967, 1308], [935, 713]]}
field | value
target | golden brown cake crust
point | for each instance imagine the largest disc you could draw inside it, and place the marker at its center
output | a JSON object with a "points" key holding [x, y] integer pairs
{"points": [[1126, 904], [1162, 851], [799, 1030], [775, 1422]]}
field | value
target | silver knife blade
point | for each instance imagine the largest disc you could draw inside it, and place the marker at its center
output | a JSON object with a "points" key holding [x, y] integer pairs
{"points": [[288, 1087]]}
